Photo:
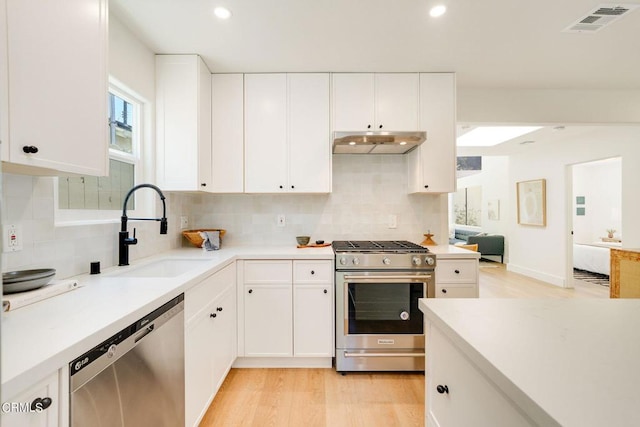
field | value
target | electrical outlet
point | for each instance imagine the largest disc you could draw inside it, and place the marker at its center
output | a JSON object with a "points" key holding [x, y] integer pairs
{"points": [[184, 222], [12, 238], [393, 221], [281, 220]]}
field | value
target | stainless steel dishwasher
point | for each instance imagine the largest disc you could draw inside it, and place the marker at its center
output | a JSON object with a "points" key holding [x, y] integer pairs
{"points": [[136, 377]]}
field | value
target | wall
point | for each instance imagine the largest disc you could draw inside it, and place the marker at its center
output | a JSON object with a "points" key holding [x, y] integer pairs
{"points": [[28, 201], [494, 180], [600, 183], [366, 190], [540, 106], [544, 252]]}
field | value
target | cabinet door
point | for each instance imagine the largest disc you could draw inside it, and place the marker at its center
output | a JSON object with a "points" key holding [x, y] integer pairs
{"points": [[471, 400], [224, 336], [353, 101], [183, 123], [23, 417], [309, 134], [396, 102], [265, 133], [4, 85], [313, 320], [227, 111], [268, 320], [199, 364], [432, 166], [57, 62]]}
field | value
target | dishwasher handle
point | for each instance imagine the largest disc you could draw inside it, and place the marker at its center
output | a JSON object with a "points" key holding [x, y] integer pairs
{"points": [[144, 333]]}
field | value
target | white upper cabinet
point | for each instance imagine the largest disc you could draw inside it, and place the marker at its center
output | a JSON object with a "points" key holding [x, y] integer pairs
{"points": [[227, 133], [56, 86], [183, 123], [432, 166], [287, 136], [376, 102]]}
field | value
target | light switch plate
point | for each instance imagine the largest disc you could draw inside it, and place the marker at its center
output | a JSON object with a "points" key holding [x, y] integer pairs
{"points": [[393, 221]]}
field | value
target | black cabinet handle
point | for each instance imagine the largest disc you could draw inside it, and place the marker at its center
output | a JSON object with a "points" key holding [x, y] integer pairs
{"points": [[281, 186], [293, 186], [325, 291], [368, 126], [313, 272], [426, 186], [204, 184], [219, 309], [444, 291], [380, 126], [213, 315], [456, 271], [30, 149], [250, 291], [41, 403], [442, 389]]}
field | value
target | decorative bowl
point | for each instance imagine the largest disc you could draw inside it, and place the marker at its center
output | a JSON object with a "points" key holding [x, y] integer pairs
{"points": [[303, 240], [193, 236]]}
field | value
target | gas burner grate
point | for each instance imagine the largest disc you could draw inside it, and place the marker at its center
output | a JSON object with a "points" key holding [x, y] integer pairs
{"points": [[377, 246]]}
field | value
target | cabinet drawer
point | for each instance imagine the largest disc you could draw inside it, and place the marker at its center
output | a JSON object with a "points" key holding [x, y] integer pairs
{"points": [[196, 298], [312, 271], [457, 271], [267, 271], [444, 291]]}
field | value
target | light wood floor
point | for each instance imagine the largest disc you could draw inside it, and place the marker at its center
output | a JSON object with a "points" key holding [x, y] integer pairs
{"points": [[321, 397]]}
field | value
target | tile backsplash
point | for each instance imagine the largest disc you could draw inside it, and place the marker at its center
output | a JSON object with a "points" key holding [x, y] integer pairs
{"points": [[29, 202], [367, 190]]}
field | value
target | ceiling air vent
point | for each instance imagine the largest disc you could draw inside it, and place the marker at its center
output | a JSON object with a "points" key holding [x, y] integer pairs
{"points": [[600, 17]]}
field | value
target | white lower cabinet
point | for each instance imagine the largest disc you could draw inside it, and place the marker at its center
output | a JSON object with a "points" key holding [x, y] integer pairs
{"points": [[286, 309], [268, 320], [458, 394], [457, 278], [39, 406], [210, 340]]}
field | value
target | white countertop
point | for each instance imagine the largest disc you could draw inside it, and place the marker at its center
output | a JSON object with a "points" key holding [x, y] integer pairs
{"points": [[451, 251], [42, 337], [576, 362]]}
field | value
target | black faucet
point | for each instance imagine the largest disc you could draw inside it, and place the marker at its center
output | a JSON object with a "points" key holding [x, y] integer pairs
{"points": [[123, 236]]}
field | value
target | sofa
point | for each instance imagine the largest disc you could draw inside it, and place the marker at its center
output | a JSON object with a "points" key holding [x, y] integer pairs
{"points": [[488, 244]]}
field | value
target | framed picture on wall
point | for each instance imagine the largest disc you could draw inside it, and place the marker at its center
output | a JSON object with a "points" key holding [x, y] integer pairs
{"points": [[532, 202]]}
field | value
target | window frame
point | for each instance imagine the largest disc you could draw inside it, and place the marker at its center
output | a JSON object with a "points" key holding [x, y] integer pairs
{"points": [[143, 206]]}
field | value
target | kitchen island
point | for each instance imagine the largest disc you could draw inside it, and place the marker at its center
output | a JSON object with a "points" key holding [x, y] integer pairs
{"points": [[532, 362]]}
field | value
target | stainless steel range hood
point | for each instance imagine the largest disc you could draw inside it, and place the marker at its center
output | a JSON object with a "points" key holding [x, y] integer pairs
{"points": [[376, 142]]}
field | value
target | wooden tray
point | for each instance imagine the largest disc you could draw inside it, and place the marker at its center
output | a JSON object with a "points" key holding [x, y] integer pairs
{"points": [[314, 245]]}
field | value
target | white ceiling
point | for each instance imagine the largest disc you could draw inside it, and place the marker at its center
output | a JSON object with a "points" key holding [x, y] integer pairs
{"points": [[488, 43]]}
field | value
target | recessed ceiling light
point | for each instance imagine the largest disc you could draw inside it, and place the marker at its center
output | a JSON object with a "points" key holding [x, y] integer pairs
{"points": [[222, 12], [352, 143], [438, 10], [488, 136], [403, 143]]}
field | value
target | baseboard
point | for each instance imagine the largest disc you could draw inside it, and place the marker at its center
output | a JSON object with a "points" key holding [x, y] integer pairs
{"points": [[283, 362], [548, 278]]}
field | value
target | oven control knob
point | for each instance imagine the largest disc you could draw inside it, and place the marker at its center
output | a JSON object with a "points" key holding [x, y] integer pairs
{"points": [[343, 261], [430, 261], [355, 261], [404, 315], [386, 261], [416, 260]]}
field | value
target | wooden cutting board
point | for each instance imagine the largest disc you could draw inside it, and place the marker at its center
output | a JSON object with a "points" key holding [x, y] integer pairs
{"points": [[314, 245]]}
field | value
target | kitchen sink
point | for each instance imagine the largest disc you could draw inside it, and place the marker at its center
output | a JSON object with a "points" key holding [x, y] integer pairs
{"points": [[163, 268]]}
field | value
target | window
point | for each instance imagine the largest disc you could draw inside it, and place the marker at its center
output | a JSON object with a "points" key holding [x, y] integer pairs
{"points": [[467, 206], [89, 198]]}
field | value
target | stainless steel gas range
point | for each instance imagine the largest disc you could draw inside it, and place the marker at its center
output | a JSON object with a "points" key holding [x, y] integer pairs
{"points": [[378, 324]]}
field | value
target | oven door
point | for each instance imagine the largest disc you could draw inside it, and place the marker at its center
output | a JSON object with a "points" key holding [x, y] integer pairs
{"points": [[376, 304]]}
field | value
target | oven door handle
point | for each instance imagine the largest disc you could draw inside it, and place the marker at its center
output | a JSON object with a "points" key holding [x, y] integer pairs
{"points": [[389, 278], [372, 354]]}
